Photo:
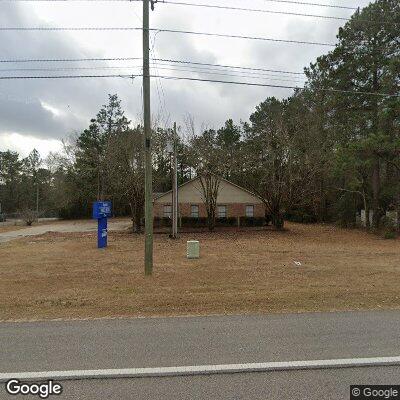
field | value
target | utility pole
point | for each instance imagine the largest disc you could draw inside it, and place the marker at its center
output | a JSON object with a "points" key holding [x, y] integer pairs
{"points": [[175, 187], [37, 201], [148, 212]]}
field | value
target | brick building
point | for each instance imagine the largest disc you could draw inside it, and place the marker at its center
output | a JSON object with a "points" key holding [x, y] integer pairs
{"points": [[233, 201]]}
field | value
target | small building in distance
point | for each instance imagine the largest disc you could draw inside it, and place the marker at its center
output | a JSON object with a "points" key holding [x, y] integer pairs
{"points": [[234, 204]]}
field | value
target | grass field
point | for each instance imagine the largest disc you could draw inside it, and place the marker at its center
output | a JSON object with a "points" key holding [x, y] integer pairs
{"points": [[59, 275]]}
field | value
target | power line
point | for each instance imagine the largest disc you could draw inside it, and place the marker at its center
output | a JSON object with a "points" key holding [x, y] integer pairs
{"points": [[256, 10], [69, 76], [72, 29], [231, 66], [125, 1], [51, 60], [39, 60], [227, 72], [166, 68], [279, 86], [165, 31], [195, 79], [330, 17], [67, 68], [311, 4], [177, 68], [159, 85], [224, 7]]}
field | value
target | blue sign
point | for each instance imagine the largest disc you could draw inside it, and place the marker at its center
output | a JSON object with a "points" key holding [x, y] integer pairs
{"points": [[101, 211]]}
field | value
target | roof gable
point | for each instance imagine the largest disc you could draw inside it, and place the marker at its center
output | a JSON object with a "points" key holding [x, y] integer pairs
{"points": [[229, 192]]}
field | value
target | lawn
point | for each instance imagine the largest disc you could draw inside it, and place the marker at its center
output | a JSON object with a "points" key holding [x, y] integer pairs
{"points": [[59, 275]]}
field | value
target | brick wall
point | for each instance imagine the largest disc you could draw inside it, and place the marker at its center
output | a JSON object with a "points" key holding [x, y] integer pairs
{"points": [[233, 210]]}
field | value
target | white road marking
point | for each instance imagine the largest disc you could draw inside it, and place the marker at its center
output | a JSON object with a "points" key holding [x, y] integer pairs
{"points": [[201, 369]]}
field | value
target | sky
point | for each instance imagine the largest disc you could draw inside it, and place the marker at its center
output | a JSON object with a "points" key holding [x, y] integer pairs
{"points": [[40, 113]]}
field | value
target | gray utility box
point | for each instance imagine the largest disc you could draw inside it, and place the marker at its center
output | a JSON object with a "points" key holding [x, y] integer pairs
{"points": [[193, 249]]}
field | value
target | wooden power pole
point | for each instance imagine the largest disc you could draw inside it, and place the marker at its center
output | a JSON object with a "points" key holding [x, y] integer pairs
{"points": [[175, 187], [148, 253]]}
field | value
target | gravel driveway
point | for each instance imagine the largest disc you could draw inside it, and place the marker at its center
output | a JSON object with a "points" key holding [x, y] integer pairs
{"points": [[75, 226]]}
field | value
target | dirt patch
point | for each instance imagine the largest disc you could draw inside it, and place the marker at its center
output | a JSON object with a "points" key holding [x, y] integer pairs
{"points": [[15, 225], [11, 228], [63, 275]]}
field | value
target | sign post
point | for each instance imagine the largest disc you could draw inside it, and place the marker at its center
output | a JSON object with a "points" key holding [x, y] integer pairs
{"points": [[102, 211]]}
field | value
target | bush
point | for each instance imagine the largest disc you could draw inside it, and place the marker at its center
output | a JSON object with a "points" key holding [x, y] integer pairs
{"points": [[390, 235], [231, 221], [388, 228], [75, 211], [190, 222], [254, 221], [162, 222], [300, 216], [345, 211], [278, 221], [29, 216]]}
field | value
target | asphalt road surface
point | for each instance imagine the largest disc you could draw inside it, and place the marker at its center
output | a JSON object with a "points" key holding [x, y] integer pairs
{"points": [[158, 342], [303, 385]]}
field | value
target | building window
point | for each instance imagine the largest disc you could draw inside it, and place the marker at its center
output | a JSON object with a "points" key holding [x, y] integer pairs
{"points": [[250, 211], [194, 211], [222, 212], [168, 211]]}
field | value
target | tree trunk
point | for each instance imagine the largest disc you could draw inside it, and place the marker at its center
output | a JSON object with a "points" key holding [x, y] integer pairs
{"points": [[375, 194], [211, 220], [322, 202], [398, 207], [136, 218], [367, 210], [209, 188], [277, 219]]}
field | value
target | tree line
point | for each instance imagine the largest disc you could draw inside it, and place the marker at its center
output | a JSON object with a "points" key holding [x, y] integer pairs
{"points": [[322, 154]]}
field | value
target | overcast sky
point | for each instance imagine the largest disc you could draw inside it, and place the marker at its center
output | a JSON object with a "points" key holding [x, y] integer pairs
{"points": [[38, 113]]}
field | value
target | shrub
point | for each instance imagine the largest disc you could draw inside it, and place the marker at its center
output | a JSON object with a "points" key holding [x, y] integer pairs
{"points": [[162, 222], [231, 221], [300, 216], [345, 211], [254, 221], [390, 235], [388, 228], [190, 222], [29, 216], [75, 211]]}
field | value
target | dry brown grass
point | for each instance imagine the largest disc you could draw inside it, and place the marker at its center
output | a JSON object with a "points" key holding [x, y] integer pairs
{"points": [[64, 275]]}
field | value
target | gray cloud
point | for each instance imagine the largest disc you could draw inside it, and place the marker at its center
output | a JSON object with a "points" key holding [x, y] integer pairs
{"points": [[23, 103]]}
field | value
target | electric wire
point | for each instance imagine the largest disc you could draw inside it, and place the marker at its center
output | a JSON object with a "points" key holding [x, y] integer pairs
{"points": [[51, 60], [210, 34], [130, 76]]}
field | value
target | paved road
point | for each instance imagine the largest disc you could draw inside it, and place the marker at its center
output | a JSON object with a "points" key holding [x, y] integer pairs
{"points": [[161, 342], [76, 226], [295, 385], [207, 340]]}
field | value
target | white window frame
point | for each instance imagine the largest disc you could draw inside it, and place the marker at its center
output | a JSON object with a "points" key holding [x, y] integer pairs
{"points": [[248, 207], [167, 214], [194, 214], [223, 214]]}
